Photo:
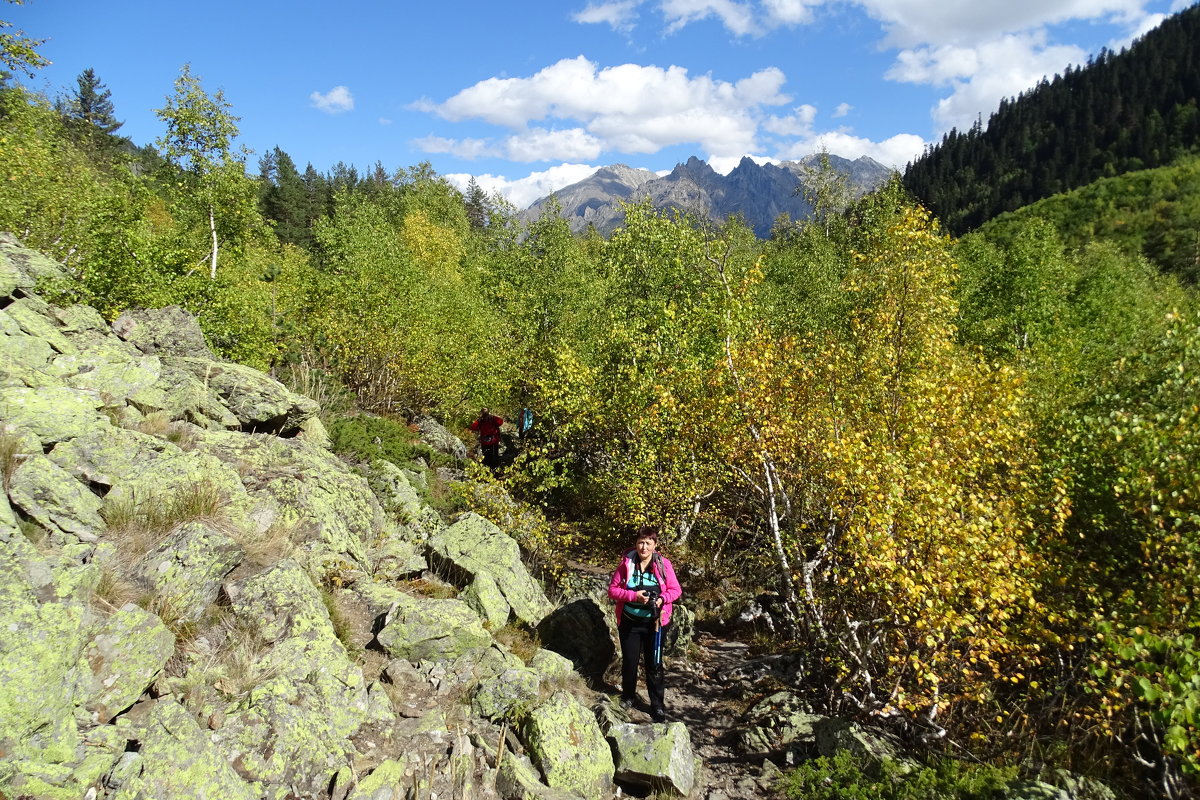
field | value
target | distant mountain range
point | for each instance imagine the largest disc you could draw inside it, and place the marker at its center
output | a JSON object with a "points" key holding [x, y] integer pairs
{"points": [[760, 193]]}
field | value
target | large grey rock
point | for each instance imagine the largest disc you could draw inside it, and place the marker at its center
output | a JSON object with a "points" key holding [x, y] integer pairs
{"points": [[580, 632], [657, 757], [167, 331], [187, 567], [485, 599], [291, 731], [394, 490], [497, 697], [431, 630], [22, 268], [332, 504], [518, 779], [53, 414], [439, 438], [179, 762], [260, 403], [47, 493], [776, 721], [42, 640], [473, 545], [125, 655], [565, 742]]}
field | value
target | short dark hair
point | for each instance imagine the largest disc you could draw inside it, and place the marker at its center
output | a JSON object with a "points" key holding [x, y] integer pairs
{"points": [[647, 532]]}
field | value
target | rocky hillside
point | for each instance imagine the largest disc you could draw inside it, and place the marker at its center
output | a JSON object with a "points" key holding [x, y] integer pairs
{"points": [[199, 599], [759, 193]]}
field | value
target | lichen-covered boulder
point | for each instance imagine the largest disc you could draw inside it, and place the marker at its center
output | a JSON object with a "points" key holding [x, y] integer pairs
{"points": [[187, 567], [42, 640], [431, 630], [436, 435], [125, 655], [22, 268], [168, 331], [310, 485], [579, 631], [775, 722], [834, 735], [32, 316], [658, 757], [550, 666], [260, 403], [474, 545], [48, 494], [486, 599], [565, 742], [518, 779], [395, 556], [1036, 790], [179, 762], [290, 733], [53, 414], [187, 398], [394, 490], [116, 376], [496, 697]]}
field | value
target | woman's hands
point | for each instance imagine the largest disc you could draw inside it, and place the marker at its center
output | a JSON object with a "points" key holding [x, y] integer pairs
{"points": [[644, 597]]}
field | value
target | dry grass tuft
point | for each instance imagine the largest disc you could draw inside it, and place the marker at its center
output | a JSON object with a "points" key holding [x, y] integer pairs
{"points": [[272, 545], [11, 457], [136, 526], [113, 589], [160, 425], [519, 640]]}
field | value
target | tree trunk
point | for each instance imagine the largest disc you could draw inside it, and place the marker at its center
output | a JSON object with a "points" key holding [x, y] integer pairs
{"points": [[212, 229]]}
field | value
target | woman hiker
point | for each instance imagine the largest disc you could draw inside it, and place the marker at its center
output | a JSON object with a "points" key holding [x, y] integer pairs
{"points": [[643, 574], [487, 428]]}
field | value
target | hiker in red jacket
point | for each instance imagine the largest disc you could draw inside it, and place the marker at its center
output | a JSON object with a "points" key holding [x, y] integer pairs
{"points": [[487, 428]]}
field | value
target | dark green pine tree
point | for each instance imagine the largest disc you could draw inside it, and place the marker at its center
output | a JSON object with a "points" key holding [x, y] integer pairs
{"points": [[90, 115], [477, 204], [284, 198]]}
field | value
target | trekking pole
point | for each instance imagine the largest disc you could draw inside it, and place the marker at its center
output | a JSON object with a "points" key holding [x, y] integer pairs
{"points": [[654, 597]]}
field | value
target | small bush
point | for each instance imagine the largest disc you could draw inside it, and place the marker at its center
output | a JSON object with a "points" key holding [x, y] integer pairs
{"points": [[365, 437], [843, 777]]}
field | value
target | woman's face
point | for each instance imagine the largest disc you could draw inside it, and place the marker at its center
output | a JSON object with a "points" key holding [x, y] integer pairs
{"points": [[646, 546]]}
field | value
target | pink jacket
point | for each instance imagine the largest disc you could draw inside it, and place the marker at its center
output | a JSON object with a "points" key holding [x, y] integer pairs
{"points": [[668, 583]]}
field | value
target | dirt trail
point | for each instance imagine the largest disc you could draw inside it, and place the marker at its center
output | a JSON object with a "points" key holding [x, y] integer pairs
{"points": [[707, 692]]}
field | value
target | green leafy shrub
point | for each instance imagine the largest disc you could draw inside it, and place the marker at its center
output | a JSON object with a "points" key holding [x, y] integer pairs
{"points": [[365, 438], [843, 777]]}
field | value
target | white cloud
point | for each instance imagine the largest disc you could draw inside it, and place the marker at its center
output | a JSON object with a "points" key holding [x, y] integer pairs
{"points": [[842, 110], [523, 191], [895, 152], [798, 123], [981, 76], [462, 148], [737, 17], [384, 121], [335, 101], [628, 108], [543, 145], [917, 23], [620, 16]]}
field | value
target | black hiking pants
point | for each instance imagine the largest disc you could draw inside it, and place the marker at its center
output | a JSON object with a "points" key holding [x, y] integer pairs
{"points": [[637, 640]]}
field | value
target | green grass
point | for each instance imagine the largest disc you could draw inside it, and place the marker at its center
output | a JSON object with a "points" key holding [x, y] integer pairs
{"points": [[842, 777]]}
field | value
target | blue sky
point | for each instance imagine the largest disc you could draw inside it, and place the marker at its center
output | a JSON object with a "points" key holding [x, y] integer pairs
{"points": [[529, 97]]}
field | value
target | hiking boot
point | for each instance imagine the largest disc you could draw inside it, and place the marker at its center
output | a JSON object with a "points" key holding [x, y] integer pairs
{"points": [[628, 702], [658, 714]]}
